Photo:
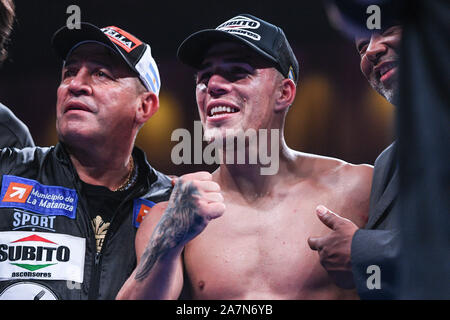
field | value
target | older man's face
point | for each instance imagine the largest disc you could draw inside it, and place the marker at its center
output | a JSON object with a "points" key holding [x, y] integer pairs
{"points": [[97, 97], [380, 59]]}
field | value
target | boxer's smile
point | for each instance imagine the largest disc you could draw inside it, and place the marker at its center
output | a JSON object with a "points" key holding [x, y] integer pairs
{"points": [[220, 110]]}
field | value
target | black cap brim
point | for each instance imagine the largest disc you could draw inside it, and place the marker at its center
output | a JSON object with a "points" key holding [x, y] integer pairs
{"points": [[65, 39], [193, 49]]}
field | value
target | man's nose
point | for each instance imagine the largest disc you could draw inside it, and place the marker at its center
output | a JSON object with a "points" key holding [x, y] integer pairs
{"points": [[375, 49], [80, 83], [218, 85]]}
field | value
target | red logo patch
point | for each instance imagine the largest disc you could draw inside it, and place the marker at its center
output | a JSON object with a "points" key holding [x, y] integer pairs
{"points": [[34, 237], [122, 38], [142, 213], [17, 192]]}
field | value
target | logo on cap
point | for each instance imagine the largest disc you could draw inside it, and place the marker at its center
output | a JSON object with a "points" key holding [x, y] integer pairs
{"points": [[122, 38], [239, 25]]}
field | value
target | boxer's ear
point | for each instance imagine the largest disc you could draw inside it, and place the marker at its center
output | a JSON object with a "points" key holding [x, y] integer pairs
{"points": [[285, 94]]}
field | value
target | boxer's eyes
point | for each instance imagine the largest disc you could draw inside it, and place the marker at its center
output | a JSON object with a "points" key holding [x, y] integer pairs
{"points": [[231, 73], [203, 77]]}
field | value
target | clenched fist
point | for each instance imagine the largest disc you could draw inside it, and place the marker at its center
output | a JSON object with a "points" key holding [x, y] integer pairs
{"points": [[195, 200]]}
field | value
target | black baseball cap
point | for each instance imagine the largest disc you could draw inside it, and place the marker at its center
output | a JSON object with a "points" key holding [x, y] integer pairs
{"points": [[354, 18], [261, 36], [134, 52]]}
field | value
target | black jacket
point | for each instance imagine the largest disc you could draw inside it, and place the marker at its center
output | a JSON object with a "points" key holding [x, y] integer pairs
{"points": [[42, 203], [13, 133], [378, 243]]}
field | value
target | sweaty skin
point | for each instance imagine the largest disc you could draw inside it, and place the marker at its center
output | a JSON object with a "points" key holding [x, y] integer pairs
{"points": [[258, 249]]}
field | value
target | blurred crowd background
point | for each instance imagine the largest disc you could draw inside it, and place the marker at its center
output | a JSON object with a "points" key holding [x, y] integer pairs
{"points": [[335, 112]]}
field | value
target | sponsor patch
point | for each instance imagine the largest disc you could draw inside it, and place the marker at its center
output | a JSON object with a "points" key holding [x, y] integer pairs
{"points": [[27, 220], [27, 194], [122, 38], [240, 25], [141, 208], [43, 256], [27, 291]]}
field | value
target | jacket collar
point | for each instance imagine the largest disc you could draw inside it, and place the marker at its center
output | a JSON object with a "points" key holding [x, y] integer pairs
{"points": [[384, 185], [147, 175]]}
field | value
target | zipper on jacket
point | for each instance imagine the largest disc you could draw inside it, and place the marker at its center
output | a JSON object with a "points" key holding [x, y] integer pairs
{"points": [[94, 281], [94, 286]]}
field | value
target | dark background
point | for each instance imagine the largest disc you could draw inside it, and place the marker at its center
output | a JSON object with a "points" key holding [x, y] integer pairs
{"points": [[335, 113]]}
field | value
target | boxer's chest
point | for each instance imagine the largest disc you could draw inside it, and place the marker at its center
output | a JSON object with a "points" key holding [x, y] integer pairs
{"points": [[260, 247]]}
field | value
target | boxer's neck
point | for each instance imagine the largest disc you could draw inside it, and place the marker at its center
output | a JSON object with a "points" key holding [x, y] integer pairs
{"points": [[247, 179]]}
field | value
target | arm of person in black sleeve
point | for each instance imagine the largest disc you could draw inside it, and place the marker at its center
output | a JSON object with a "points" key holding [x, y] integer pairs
{"points": [[13, 132], [374, 262]]}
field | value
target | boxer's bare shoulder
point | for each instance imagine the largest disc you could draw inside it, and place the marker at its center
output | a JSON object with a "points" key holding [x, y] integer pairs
{"points": [[343, 181]]}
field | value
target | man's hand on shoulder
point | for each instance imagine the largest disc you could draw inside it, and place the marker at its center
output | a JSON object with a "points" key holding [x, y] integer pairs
{"points": [[334, 248]]}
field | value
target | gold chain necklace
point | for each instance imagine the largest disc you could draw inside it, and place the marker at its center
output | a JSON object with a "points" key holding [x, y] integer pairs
{"points": [[130, 180]]}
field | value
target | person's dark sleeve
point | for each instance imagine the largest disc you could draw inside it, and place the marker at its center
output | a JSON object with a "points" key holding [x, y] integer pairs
{"points": [[13, 132], [424, 154], [380, 248], [15, 137], [26, 138]]}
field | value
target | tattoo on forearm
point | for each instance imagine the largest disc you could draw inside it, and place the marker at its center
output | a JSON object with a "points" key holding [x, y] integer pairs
{"points": [[175, 225]]}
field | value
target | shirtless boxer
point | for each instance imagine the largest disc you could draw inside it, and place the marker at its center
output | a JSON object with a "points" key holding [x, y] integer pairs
{"points": [[257, 248]]}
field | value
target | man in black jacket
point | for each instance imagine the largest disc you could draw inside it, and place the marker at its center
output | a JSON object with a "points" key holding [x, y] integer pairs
{"points": [[13, 133], [70, 212], [403, 251], [367, 258]]}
